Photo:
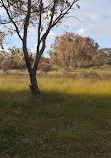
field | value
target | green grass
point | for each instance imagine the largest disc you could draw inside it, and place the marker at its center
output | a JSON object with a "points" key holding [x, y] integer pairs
{"points": [[72, 118]]}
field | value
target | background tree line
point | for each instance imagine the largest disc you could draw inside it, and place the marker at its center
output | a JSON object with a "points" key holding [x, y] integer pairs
{"points": [[14, 59], [69, 51]]}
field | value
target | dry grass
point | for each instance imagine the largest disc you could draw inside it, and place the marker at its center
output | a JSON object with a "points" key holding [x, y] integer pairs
{"points": [[72, 118]]}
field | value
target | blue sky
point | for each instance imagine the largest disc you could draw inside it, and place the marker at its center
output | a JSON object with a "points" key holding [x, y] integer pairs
{"points": [[95, 17]]}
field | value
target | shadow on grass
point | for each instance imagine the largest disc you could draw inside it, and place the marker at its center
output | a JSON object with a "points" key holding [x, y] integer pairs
{"points": [[54, 125]]}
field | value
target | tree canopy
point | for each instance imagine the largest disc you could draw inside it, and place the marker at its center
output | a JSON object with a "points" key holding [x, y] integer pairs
{"points": [[70, 50]]}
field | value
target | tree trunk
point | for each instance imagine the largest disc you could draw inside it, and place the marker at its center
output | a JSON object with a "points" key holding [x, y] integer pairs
{"points": [[34, 87]]}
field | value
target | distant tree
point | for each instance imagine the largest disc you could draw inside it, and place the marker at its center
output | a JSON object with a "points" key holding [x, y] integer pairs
{"points": [[42, 14], [107, 52], [3, 55], [44, 65], [17, 57], [6, 64], [62, 52], [13, 59], [70, 50], [86, 49], [100, 58], [2, 38]]}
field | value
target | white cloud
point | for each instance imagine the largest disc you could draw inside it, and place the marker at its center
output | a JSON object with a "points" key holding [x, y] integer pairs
{"points": [[80, 31], [96, 22], [96, 19], [2, 12], [33, 51], [52, 34]]}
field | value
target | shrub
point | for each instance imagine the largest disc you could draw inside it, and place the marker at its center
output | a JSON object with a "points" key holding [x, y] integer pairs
{"points": [[44, 65], [6, 64]]}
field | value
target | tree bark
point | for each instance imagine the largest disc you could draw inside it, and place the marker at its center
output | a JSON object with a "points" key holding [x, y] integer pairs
{"points": [[34, 87]]}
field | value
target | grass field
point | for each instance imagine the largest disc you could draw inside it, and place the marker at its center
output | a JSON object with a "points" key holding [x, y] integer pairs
{"points": [[71, 119]]}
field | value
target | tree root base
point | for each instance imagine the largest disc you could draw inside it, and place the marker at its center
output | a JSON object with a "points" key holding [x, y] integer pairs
{"points": [[35, 91]]}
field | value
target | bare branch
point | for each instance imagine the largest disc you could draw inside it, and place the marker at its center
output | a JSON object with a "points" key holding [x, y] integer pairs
{"points": [[39, 54], [4, 22], [39, 33], [27, 59], [75, 18], [44, 36], [39, 27], [48, 5], [61, 16], [53, 10], [11, 19]]}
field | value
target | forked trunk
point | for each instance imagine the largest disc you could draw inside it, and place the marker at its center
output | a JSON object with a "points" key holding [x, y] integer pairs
{"points": [[34, 87]]}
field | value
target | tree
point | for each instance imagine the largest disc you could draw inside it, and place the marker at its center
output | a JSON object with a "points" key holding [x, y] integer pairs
{"points": [[17, 56], [24, 13], [101, 58], [70, 50], [6, 64], [62, 52], [5, 61], [2, 38], [107, 52], [44, 65], [13, 59]]}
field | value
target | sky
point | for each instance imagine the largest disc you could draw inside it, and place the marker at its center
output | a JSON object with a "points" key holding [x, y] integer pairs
{"points": [[94, 21]]}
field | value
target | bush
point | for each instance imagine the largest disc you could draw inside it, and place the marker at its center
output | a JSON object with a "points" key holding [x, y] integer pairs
{"points": [[6, 64], [44, 65]]}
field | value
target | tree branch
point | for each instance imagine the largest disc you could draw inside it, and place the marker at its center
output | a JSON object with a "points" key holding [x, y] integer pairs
{"points": [[4, 22], [11, 19], [61, 16], [39, 27], [74, 17], [27, 59], [51, 24], [39, 33], [38, 55]]}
